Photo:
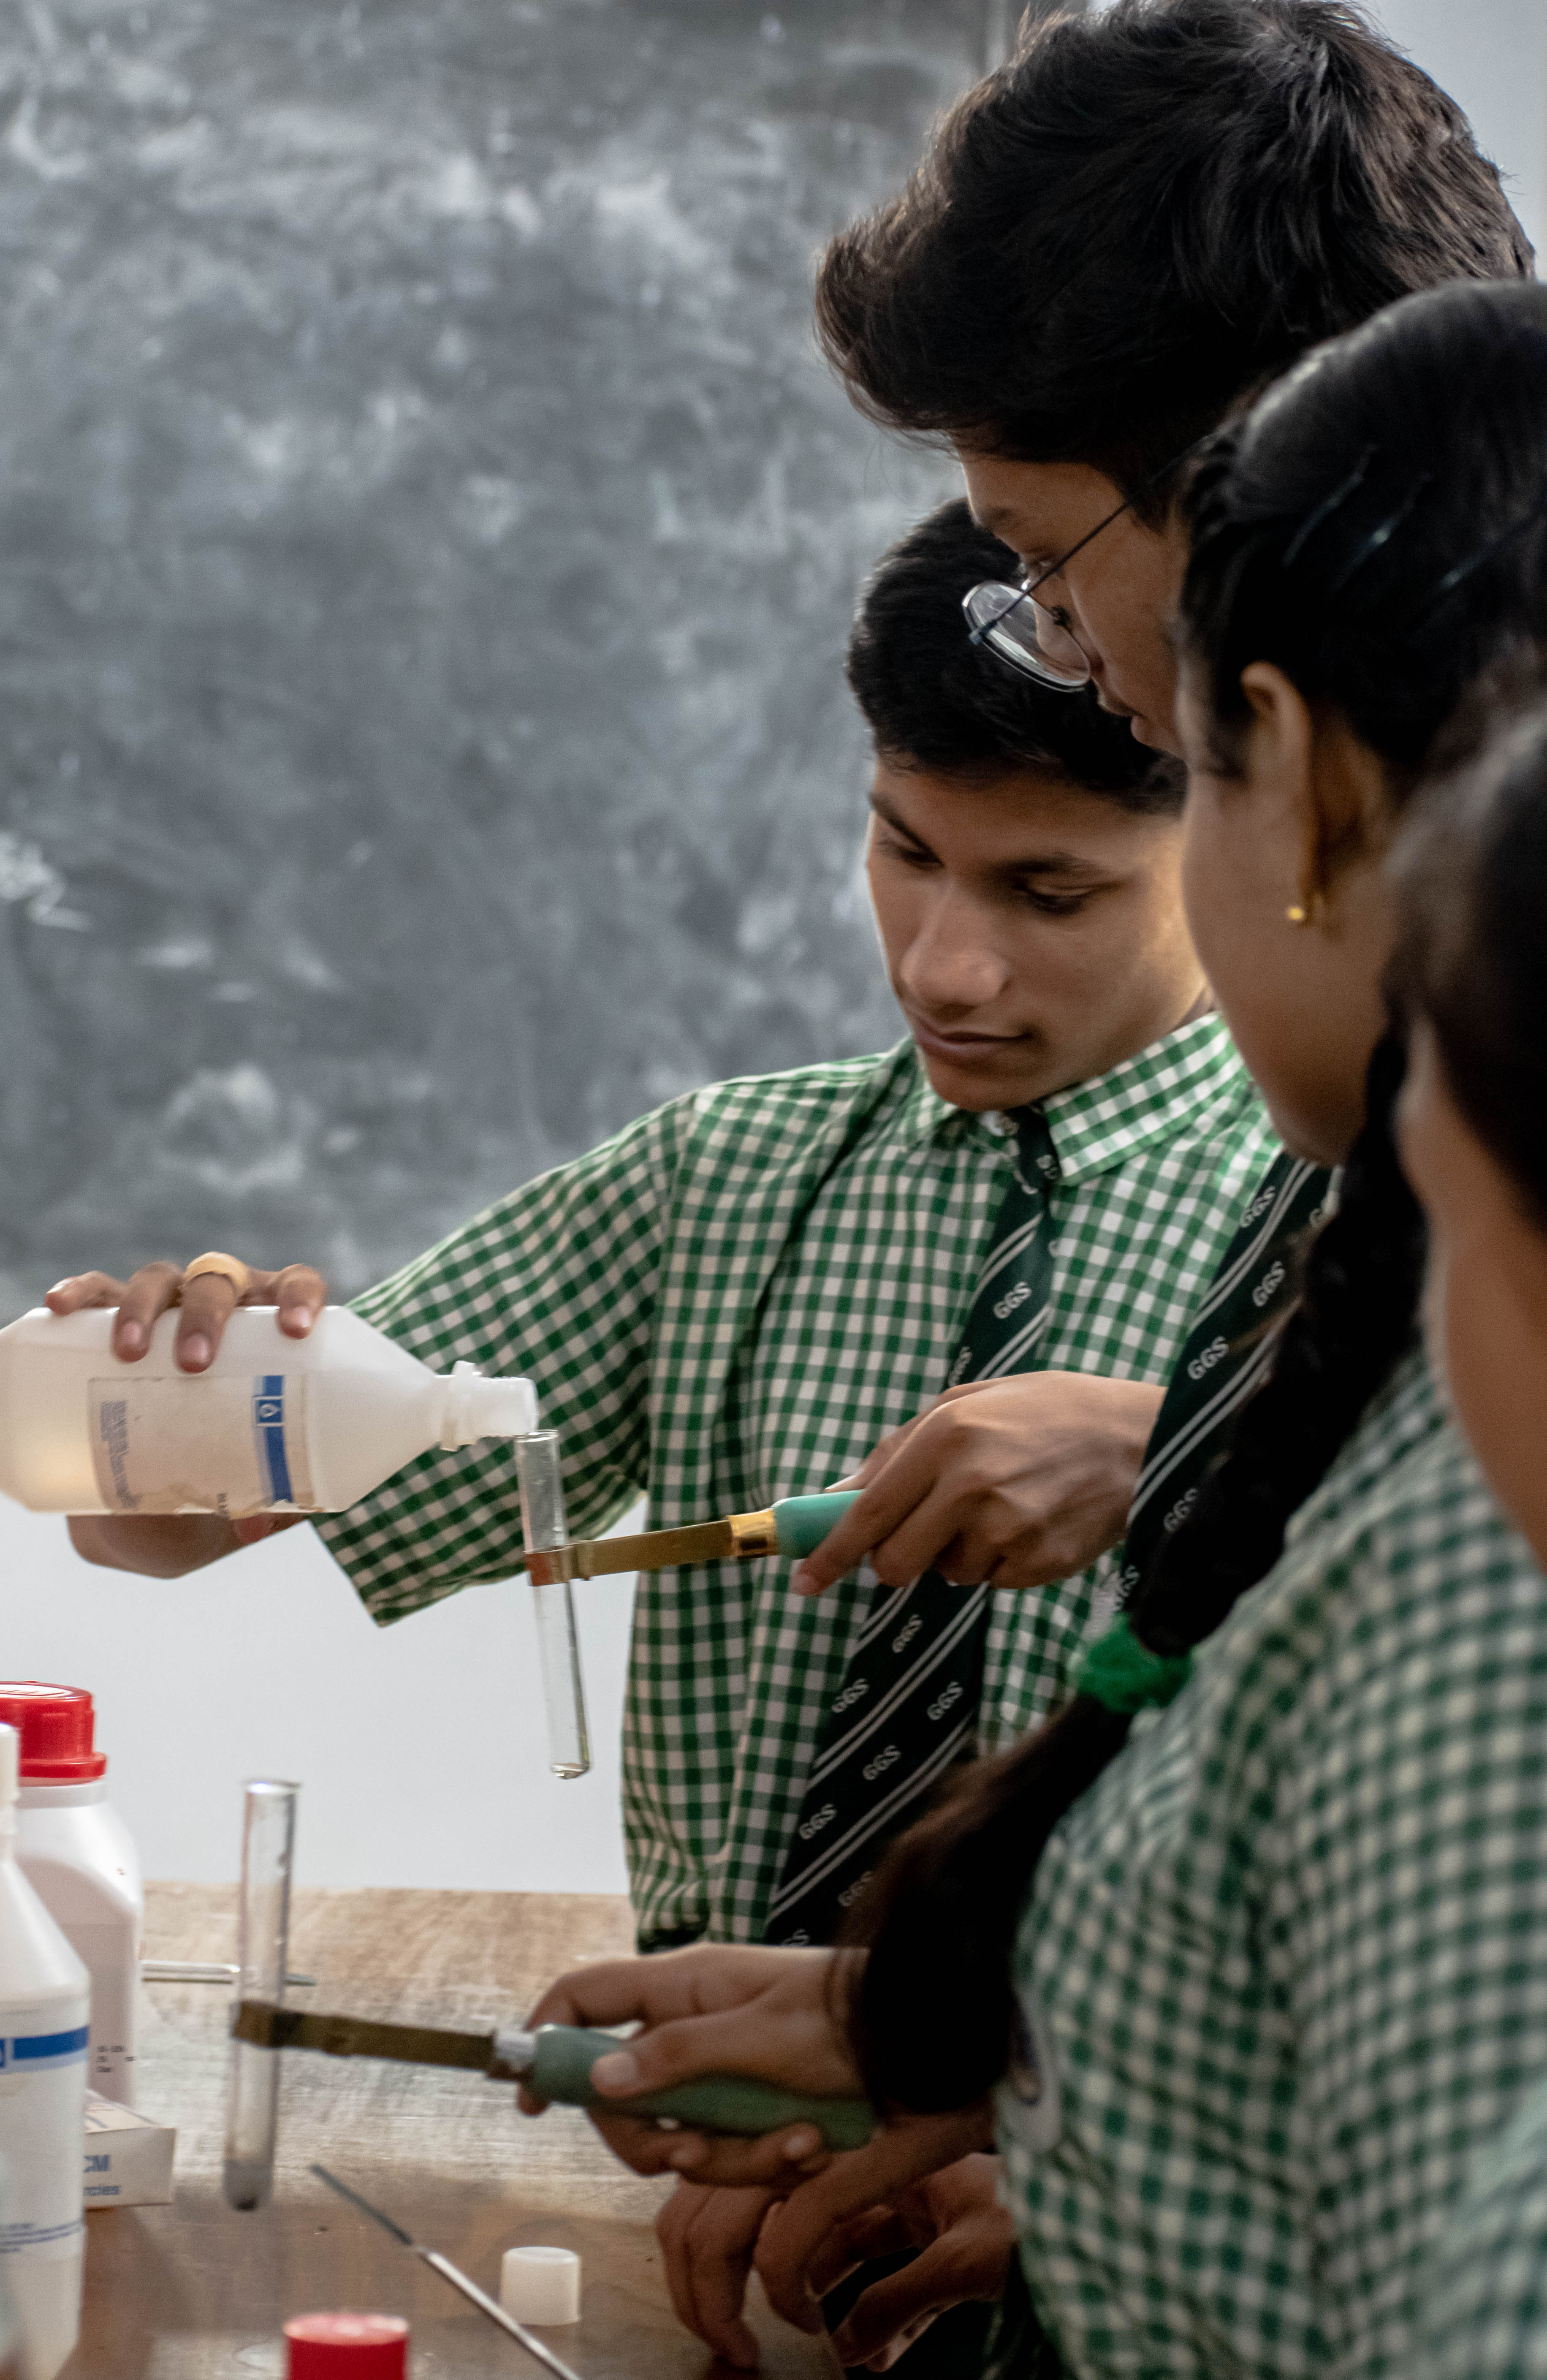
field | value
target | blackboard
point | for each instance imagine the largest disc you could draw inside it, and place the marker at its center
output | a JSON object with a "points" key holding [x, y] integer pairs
{"points": [[427, 537]]}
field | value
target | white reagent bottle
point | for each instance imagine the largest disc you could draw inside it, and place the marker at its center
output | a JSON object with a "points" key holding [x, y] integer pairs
{"points": [[274, 1425], [44, 1997], [79, 1858]]}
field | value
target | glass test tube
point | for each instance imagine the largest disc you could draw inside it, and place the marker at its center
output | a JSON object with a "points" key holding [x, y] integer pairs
{"points": [[563, 1689], [262, 1957]]}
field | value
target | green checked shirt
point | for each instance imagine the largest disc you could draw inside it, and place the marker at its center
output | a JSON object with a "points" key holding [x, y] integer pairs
{"points": [[1285, 1965], [730, 1302], [1487, 2306]]}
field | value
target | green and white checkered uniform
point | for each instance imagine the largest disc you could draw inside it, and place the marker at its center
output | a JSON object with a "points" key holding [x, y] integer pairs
{"points": [[1486, 2309], [730, 1302], [1286, 1964]]}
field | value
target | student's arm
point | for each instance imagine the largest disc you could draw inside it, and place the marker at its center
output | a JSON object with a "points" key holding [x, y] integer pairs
{"points": [[1020, 1481], [558, 1281]]}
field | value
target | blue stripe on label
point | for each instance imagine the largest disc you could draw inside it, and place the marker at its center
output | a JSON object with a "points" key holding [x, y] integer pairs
{"points": [[268, 1415], [43, 2049]]}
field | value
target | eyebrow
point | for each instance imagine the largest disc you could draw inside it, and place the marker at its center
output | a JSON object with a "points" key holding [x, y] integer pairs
{"points": [[1036, 863]]}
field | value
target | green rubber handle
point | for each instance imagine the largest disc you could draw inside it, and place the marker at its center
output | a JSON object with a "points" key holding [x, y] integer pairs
{"points": [[717, 2103], [804, 1521]]}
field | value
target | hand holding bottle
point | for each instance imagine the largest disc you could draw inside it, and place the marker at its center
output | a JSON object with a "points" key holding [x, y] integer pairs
{"points": [[171, 1544], [207, 1301]]}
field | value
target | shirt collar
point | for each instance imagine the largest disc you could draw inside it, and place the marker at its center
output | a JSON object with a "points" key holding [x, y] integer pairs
{"points": [[1097, 1125]]}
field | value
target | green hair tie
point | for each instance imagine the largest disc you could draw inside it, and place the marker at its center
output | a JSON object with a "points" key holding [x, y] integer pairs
{"points": [[1125, 1675]]}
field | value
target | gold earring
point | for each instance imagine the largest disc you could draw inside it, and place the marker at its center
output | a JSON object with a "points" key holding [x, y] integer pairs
{"points": [[1297, 915]]}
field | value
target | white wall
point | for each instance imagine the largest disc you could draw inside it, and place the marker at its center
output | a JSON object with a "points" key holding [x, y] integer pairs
{"points": [[421, 1746]]}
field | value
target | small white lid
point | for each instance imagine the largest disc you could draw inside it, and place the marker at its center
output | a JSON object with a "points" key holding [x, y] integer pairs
{"points": [[541, 2285], [477, 1408]]}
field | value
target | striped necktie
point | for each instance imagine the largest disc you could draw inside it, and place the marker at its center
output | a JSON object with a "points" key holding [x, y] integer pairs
{"points": [[908, 1706], [1225, 1358]]}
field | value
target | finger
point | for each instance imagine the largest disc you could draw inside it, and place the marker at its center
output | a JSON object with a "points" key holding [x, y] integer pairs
{"points": [[299, 1291], [880, 2232], [147, 1295], [852, 2185], [888, 2316], [79, 1290], [671, 1983], [646, 2148], [208, 1304], [882, 1452], [881, 1509], [709, 2240], [801, 2051]]}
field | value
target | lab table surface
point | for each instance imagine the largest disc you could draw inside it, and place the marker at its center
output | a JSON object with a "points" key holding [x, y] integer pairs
{"points": [[195, 2292]]}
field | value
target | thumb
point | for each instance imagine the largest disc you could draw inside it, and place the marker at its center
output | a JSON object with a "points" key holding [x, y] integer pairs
{"points": [[258, 1525], [685, 2048]]}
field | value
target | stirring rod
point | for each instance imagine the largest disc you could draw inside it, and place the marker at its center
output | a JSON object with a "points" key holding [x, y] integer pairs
{"points": [[449, 2272]]}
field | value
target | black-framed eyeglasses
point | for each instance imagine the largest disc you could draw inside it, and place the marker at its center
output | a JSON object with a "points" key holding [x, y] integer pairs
{"points": [[1017, 629]]}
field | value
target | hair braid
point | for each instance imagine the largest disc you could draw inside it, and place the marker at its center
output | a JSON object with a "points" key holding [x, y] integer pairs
{"points": [[940, 1917]]}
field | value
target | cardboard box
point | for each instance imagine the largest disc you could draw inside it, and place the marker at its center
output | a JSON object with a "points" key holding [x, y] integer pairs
{"points": [[128, 2156]]}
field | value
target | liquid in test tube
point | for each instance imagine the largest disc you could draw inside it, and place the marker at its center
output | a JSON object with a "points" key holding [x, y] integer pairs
{"points": [[547, 1532], [262, 1958]]}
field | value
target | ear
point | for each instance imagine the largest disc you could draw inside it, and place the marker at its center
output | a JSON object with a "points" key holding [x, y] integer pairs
{"points": [[1333, 784]]}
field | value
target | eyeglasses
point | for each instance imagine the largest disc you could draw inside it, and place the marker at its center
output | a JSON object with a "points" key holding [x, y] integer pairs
{"points": [[1017, 629]]}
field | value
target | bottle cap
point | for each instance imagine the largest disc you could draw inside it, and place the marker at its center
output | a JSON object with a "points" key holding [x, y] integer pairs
{"points": [[58, 1727], [475, 1408], [347, 2347], [541, 2285]]}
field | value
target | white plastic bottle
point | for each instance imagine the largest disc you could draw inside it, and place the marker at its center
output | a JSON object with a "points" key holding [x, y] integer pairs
{"points": [[79, 1859], [275, 1424], [44, 1997]]}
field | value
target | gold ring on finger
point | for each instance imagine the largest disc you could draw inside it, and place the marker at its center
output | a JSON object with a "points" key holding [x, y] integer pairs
{"points": [[230, 1269]]}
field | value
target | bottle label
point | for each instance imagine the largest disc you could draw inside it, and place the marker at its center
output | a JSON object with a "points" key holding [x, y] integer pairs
{"points": [[42, 2124], [221, 1446]]}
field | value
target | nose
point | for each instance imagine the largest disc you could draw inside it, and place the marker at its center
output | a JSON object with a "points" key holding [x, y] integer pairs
{"points": [[951, 966]]}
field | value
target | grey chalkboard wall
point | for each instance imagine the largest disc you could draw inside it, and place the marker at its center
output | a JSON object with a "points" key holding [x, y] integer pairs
{"points": [[427, 537]]}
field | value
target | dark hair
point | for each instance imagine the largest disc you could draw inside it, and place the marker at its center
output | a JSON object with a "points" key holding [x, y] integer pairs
{"points": [[1143, 218], [1472, 875], [1378, 528], [931, 696]]}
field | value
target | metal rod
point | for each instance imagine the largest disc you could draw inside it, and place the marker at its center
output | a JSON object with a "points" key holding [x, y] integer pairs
{"points": [[449, 2272]]}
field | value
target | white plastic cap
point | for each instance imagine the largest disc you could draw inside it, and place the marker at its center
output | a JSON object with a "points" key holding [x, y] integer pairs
{"points": [[477, 1408], [541, 2285]]}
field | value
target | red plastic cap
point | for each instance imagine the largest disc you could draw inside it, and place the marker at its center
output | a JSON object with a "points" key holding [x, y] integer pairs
{"points": [[347, 2347], [56, 1725]]}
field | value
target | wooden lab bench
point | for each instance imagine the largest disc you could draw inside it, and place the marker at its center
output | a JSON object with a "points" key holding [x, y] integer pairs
{"points": [[193, 2291]]}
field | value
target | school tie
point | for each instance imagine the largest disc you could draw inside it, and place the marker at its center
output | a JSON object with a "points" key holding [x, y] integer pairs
{"points": [[1224, 1357], [909, 1702]]}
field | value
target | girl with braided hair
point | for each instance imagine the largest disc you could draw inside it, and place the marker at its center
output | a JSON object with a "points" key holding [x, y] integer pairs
{"points": [[1472, 880], [1260, 1912]]}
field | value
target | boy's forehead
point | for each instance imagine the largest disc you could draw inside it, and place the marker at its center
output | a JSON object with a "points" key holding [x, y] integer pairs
{"points": [[1023, 806]]}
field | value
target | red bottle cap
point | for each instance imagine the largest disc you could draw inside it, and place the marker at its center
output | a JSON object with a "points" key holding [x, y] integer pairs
{"points": [[347, 2347], [56, 1725]]}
